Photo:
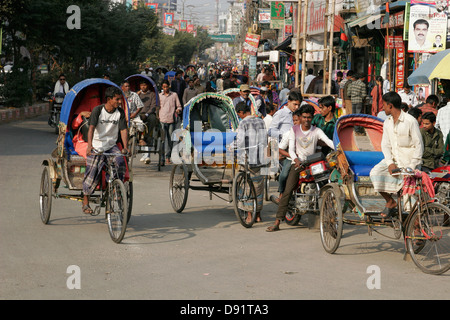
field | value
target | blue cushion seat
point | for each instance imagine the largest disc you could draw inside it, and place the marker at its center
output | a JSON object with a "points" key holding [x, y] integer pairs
{"points": [[361, 162], [216, 142]]}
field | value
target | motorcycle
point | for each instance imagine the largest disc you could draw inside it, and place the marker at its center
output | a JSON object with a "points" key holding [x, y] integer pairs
{"points": [[55, 111], [314, 174], [441, 182]]}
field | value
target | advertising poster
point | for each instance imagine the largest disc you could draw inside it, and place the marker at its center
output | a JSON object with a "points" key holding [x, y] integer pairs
{"points": [[288, 28], [153, 6], [168, 19], [277, 15], [400, 68], [182, 25], [264, 16], [427, 26], [169, 31], [251, 44]]}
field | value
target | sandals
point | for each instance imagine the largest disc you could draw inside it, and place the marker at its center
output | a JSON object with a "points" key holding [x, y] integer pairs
{"points": [[273, 228], [389, 212], [86, 209]]}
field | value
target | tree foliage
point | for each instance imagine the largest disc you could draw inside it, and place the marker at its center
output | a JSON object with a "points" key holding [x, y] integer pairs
{"points": [[113, 38]]}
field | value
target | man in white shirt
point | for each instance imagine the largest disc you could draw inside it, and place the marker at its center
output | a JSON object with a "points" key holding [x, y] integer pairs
{"points": [[282, 119], [303, 141], [408, 96], [308, 79], [443, 120], [402, 147]]}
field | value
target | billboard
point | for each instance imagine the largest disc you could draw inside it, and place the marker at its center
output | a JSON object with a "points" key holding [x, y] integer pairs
{"points": [[427, 26]]}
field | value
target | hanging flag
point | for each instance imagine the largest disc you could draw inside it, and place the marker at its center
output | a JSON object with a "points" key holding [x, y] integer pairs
{"points": [[343, 40], [386, 15]]}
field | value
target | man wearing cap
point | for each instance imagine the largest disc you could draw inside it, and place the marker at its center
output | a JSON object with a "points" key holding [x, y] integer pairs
{"points": [[261, 100], [244, 96]]}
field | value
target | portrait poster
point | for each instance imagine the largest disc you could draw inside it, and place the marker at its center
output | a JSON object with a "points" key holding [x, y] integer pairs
{"points": [[168, 19], [427, 26], [182, 25]]}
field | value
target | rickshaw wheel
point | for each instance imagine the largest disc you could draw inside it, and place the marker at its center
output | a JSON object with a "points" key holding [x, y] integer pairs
{"points": [[244, 192], [331, 220], [179, 187], [428, 239], [116, 211], [45, 195]]}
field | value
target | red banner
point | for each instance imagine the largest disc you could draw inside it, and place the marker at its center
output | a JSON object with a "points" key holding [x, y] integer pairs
{"points": [[251, 44], [400, 68]]}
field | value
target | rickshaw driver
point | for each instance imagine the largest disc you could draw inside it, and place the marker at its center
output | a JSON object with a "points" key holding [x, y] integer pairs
{"points": [[401, 145], [105, 123], [251, 138]]}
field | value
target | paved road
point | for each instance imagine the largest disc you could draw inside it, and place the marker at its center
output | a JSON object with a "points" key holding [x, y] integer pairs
{"points": [[201, 254]]}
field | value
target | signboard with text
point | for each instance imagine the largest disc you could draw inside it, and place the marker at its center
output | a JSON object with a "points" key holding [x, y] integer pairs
{"points": [[400, 68], [251, 44], [277, 15]]}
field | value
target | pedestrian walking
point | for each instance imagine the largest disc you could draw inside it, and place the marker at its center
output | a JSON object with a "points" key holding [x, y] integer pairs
{"points": [[358, 93], [170, 110], [377, 94]]}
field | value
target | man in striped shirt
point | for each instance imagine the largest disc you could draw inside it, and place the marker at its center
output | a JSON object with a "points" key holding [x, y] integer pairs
{"points": [[358, 92], [252, 139]]}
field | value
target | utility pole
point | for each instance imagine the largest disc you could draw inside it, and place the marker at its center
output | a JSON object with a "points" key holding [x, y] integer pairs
{"points": [[330, 58], [297, 54]]}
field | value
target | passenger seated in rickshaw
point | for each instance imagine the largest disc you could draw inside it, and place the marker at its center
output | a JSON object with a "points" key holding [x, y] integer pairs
{"points": [[402, 147], [303, 141], [105, 124], [79, 124]]}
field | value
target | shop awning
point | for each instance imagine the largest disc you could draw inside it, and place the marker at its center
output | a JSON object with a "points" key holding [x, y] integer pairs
{"points": [[284, 44], [363, 21]]}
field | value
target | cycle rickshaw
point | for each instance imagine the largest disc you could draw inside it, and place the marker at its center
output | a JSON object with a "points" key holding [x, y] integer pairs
{"points": [[349, 198], [207, 159], [138, 128], [67, 166]]}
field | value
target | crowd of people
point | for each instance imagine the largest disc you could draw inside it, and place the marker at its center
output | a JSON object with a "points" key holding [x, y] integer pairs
{"points": [[423, 140]]}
